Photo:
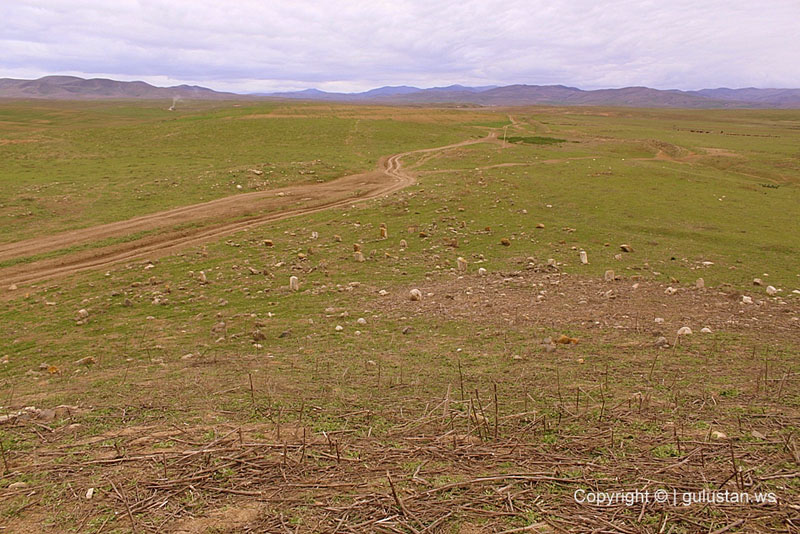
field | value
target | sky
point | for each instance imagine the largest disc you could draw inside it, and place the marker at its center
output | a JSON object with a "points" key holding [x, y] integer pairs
{"points": [[273, 45]]}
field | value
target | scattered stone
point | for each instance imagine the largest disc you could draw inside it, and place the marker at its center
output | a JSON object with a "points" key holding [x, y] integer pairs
{"points": [[202, 277], [285, 333], [89, 360], [89, 494], [461, 264], [188, 356], [662, 343], [609, 276], [505, 242], [584, 257], [684, 331], [356, 247], [758, 435], [482, 271], [705, 330], [670, 291], [339, 328], [361, 321], [294, 283], [12, 287], [757, 282], [268, 243], [540, 226], [219, 328], [415, 294], [358, 256], [403, 243], [258, 335], [551, 262], [771, 291], [407, 330], [700, 284], [383, 292], [626, 248], [17, 485], [718, 435], [384, 231], [746, 299]]}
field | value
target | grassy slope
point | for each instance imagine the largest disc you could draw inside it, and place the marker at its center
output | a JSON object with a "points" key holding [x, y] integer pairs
{"points": [[71, 165], [663, 209]]}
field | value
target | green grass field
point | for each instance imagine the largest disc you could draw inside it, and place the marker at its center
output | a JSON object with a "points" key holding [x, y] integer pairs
{"points": [[454, 395]]}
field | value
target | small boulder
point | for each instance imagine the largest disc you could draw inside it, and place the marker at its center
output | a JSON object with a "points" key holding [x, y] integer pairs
{"points": [[771, 291], [700, 284], [415, 295]]}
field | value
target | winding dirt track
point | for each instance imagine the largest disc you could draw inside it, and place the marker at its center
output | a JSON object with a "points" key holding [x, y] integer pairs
{"points": [[191, 225]]}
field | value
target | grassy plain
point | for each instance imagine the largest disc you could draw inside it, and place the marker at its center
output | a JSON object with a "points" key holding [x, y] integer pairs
{"points": [[277, 421]]}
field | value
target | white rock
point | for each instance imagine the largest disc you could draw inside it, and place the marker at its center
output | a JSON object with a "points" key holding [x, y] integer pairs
{"points": [[415, 294], [383, 292], [89, 493], [294, 283], [461, 264], [609, 276], [746, 300], [584, 257], [361, 321], [659, 320], [670, 290], [82, 313], [339, 328], [482, 271], [771, 291], [718, 435], [705, 330], [758, 282], [684, 331]]}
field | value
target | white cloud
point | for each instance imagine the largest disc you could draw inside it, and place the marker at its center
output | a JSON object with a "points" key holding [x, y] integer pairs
{"points": [[253, 45]]}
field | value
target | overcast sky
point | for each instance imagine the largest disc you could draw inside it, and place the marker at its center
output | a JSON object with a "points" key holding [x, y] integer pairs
{"points": [[252, 45]]}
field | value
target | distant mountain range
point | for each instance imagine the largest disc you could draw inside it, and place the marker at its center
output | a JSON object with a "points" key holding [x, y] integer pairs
{"points": [[561, 95], [71, 87], [74, 88]]}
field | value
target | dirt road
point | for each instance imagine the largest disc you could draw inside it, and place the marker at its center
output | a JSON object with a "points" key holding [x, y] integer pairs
{"points": [[178, 228]]}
